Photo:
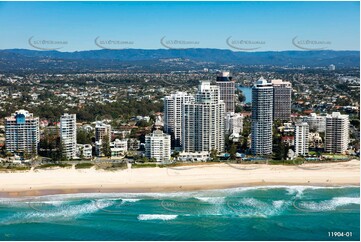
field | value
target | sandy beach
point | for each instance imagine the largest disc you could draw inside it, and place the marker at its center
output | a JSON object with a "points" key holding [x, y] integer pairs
{"points": [[181, 178]]}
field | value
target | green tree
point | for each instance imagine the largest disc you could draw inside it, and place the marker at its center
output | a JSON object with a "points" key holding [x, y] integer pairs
{"points": [[49, 144], [81, 153], [238, 109], [83, 136], [233, 151], [175, 154], [356, 123], [57, 154], [214, 155], [33, 151], [143, 123], [106, 146], [241, 96], [245, 133], [279, 149]]}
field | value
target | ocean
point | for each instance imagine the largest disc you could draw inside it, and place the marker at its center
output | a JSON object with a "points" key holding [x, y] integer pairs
{"points": [[246, 213]]}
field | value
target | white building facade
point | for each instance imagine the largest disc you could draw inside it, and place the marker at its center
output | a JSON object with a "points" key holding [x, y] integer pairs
{"points": [[301, 138], [316, 122], [233, 124], [262, 116], [158, 146], [85, 151], [22, 133], [68, 135], [118, 147], [173, 112], [203, 120], [337, 133], [194, 156]]}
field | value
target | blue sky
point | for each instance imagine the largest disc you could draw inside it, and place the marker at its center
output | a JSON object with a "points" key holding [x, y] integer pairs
{"points": [[209, 24]]}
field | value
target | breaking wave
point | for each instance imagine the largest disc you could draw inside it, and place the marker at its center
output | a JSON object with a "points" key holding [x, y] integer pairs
{"points": [[156, 217]]}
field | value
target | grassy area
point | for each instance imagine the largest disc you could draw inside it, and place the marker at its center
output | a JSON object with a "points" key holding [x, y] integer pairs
{"points": [[22, 168], [44, 166], [335, 157], [15, 168], [116, 166], [144, 165], [84, 165]]}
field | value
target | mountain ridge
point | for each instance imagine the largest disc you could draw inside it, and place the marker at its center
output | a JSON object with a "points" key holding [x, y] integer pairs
{"points": [[26, 58]]}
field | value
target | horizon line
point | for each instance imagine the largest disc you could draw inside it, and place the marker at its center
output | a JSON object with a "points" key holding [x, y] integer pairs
{"points": [[206, 48]]}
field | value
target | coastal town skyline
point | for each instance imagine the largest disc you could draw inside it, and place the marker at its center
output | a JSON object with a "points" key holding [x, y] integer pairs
{"points": [[180, 121], [196, 125]]}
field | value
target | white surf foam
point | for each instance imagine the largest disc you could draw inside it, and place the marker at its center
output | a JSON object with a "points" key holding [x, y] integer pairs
{"points": [[278, 203], [130, 200], [251, 207], [156, 217], [53, 203], [340, 201], [212, 200], [329, 205], [65, 212]]}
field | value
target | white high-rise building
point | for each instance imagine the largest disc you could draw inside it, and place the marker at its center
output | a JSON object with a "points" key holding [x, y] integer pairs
{"points": [[227, 90], [316, 122], [233, 124], [301, 138], [157, 145], [203, 120], [22, 133], [173, 113], [68, 135], [262, 110], [337, 133]]}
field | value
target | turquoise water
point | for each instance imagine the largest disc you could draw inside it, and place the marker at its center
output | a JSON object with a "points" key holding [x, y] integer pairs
{"points": [[247, 92], [262, 213]]}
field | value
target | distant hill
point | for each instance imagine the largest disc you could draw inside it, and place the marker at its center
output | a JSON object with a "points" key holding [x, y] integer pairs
{"points": [[12, 59]]}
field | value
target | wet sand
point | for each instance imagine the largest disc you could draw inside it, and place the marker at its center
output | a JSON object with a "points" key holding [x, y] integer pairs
{"points": [[173, 179]]}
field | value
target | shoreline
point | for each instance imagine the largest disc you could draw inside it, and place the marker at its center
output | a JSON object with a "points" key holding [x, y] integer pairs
{"points": [[176, 179], [49, 192]]}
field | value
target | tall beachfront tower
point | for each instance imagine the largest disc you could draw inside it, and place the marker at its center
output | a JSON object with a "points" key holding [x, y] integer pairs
{"points": [[227, 90], [68, 135], [301, 138], [22, 133], [173, 113], [282, 91], [157, 145], [203, 120], [262, 109], [337, 133]]}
